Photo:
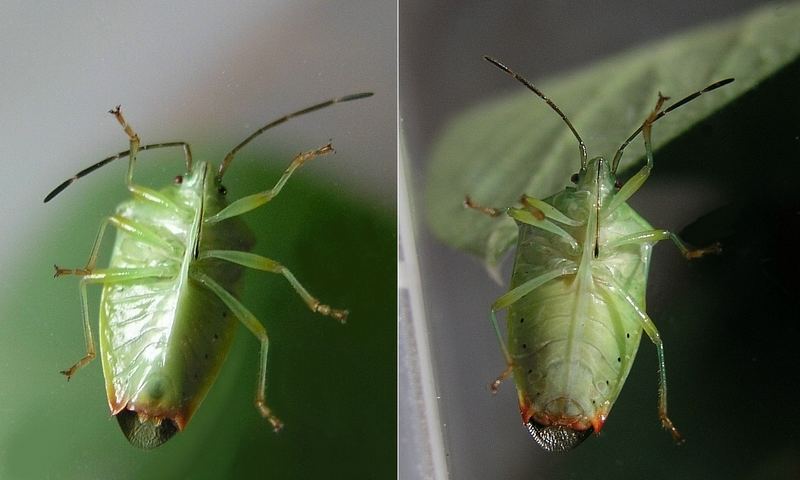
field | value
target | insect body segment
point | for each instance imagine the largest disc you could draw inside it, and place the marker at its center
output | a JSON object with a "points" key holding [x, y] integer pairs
{"points": [[170, 288], [576, 308]]}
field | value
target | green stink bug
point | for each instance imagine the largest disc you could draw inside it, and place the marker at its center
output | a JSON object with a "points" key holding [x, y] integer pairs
{"points": [[172, 281], [576, 307]]}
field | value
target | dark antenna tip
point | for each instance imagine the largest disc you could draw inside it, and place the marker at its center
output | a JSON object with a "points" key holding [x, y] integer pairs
{"points": [[223, 167], [356, 96], [58, 189], [658, 113]]}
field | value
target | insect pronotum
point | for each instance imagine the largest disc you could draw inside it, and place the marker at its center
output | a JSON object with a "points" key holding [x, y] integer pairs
{"points": [[576, 305], [170, 285]]}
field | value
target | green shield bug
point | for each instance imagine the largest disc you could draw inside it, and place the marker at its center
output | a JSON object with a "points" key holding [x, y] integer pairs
{"points": [[576, 304], [171, 284]]}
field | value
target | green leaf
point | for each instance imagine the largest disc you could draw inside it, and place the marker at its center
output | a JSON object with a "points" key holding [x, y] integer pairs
{"points": [[516, 144]]}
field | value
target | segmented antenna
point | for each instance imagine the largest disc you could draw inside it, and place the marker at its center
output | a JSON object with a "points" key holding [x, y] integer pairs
{"points": [[86, 171], [229, 157], [581, 145], [679, 103]]}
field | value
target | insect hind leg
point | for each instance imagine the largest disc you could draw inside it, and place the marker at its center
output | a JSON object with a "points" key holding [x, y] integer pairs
{"points": [[256, 328], [257, 262], [650, 329], [653, 236], [87, 335], [105, 277]]}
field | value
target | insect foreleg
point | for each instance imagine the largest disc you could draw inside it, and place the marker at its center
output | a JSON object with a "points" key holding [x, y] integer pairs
{"points": [[508, 299], [104, 276], [490, 211], [251, 202], [524, 215], [548, 211], [258, 262], [650, 329], [636, 181], [135, 143], [653, 236], [257, 329]]}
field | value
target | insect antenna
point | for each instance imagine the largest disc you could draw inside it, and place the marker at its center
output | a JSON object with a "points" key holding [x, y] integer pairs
{"points": [[86, 171], [581, 145], [229, 157], [652, 119]]}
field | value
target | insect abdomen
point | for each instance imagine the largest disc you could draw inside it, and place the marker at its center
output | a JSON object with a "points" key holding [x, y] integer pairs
{"points": [[163, 339], [569, 364]]}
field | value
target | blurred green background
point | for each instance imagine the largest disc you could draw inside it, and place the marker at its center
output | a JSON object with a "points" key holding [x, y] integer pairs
{"points": [[332, 385], [208, 73]]}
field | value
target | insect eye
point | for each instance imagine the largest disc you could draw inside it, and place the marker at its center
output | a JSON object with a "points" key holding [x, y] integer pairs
{"points": [[617, 185], [574, 178], [178, 179], [222, 190]]}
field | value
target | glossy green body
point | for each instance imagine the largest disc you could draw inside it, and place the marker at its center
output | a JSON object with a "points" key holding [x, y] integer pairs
{"points": [[169, 308], [163, 340], [573, 340], [576, 307]]}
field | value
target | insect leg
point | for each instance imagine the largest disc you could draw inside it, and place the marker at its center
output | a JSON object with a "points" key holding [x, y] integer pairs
{"points": [[136, 230], [134, 145], [252, 324], [650, 328], [139, 191], [258, 262], [537, 208], [508, 299], [104, 276], [653, 236], [546, 210], [87, 335], [520, 291], [492, 212], [636, 181], [251, 202], [526, 216], [92, 255]]}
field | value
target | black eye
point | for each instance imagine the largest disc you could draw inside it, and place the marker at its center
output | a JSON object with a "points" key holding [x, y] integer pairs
{"points": [[178, 179], [617, 185], [222, 190], [574, 178]]}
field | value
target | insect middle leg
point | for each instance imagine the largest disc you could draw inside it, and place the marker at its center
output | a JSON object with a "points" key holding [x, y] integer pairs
{"points": [[136, 230], [105, 277], [650, 329], [89, 274], [507, 299], [258, 262], [251, 322]]}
